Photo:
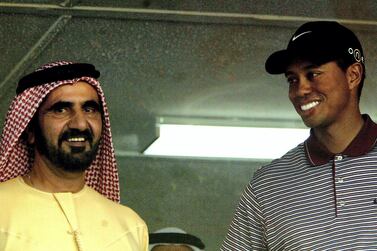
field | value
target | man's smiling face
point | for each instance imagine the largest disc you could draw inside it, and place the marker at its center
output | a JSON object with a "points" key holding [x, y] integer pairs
{"points": [[320, 94], [69, 127]]}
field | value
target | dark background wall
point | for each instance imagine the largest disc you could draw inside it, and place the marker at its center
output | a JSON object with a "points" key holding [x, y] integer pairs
{"points": [[199, 196], [195, 62]]}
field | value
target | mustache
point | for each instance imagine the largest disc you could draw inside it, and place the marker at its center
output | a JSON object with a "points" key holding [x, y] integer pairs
{"points": [[75, 133]]}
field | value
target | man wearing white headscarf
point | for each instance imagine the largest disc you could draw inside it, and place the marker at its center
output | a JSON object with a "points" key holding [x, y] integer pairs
{"points": [[174, 239], [59, 185]]}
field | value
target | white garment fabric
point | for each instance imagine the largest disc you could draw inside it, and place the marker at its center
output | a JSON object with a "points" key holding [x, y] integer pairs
{"points": [[33, 220]]}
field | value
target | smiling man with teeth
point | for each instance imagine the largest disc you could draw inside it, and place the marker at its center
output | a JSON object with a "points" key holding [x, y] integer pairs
{"points": [[310, 105], [320, 195], [76, 140], [60, 185]]}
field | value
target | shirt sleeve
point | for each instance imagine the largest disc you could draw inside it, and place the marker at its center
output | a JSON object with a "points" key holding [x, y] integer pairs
{"points": [[146, 239], [247, 230]]}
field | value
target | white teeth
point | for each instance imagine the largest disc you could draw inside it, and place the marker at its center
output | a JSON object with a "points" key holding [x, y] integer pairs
{"points": [[309, 105], [76, 139]]}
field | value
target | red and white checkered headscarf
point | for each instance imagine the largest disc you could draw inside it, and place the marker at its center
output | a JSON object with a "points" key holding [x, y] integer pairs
{"points": [[15, 155]]}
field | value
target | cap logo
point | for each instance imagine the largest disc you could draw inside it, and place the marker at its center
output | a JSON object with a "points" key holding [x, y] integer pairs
{"points": [[299, 35], [356, 54]]}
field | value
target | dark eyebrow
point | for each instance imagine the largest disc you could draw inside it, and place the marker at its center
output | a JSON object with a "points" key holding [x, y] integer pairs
{"points": [[91, 103], [59, 105]]}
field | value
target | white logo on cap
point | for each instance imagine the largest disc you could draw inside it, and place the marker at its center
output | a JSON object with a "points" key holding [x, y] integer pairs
{"points": [[299, 35], [356, 54]]}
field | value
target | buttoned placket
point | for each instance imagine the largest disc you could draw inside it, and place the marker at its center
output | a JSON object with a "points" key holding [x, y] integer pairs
{"points": [[337, 181]]}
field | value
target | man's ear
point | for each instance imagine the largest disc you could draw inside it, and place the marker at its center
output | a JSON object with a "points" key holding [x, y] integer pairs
{"points": [[354, 75], [30, 135], [30, 131]]}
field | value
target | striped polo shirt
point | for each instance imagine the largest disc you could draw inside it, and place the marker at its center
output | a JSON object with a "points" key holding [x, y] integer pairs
{"points": [[311, 199]]}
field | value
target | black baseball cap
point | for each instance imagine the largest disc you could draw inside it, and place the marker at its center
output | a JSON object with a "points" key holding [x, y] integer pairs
{"points": [[319, 42]]}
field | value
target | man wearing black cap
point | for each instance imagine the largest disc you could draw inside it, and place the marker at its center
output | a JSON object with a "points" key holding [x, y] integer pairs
{"points": [[321, 195]]}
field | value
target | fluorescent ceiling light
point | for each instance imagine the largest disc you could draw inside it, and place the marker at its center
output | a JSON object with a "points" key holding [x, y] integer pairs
{"points": [[225, 142]]}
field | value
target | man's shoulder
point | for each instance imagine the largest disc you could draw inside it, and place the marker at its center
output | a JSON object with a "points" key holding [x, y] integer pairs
{"points": [[114, 208], [293, 159], [8, 185], [12, 192]]}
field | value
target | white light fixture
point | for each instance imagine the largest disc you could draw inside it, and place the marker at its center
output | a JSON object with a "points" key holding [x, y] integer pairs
{"points": [[225, 142]]}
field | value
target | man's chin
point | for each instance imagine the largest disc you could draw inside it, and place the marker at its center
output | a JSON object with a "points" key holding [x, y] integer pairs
{"points": [[78, 160], [76, 166], [77, 149]]}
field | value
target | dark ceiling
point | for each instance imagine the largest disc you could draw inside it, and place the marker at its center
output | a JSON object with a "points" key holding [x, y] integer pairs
{"points": [[185, 61]]}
